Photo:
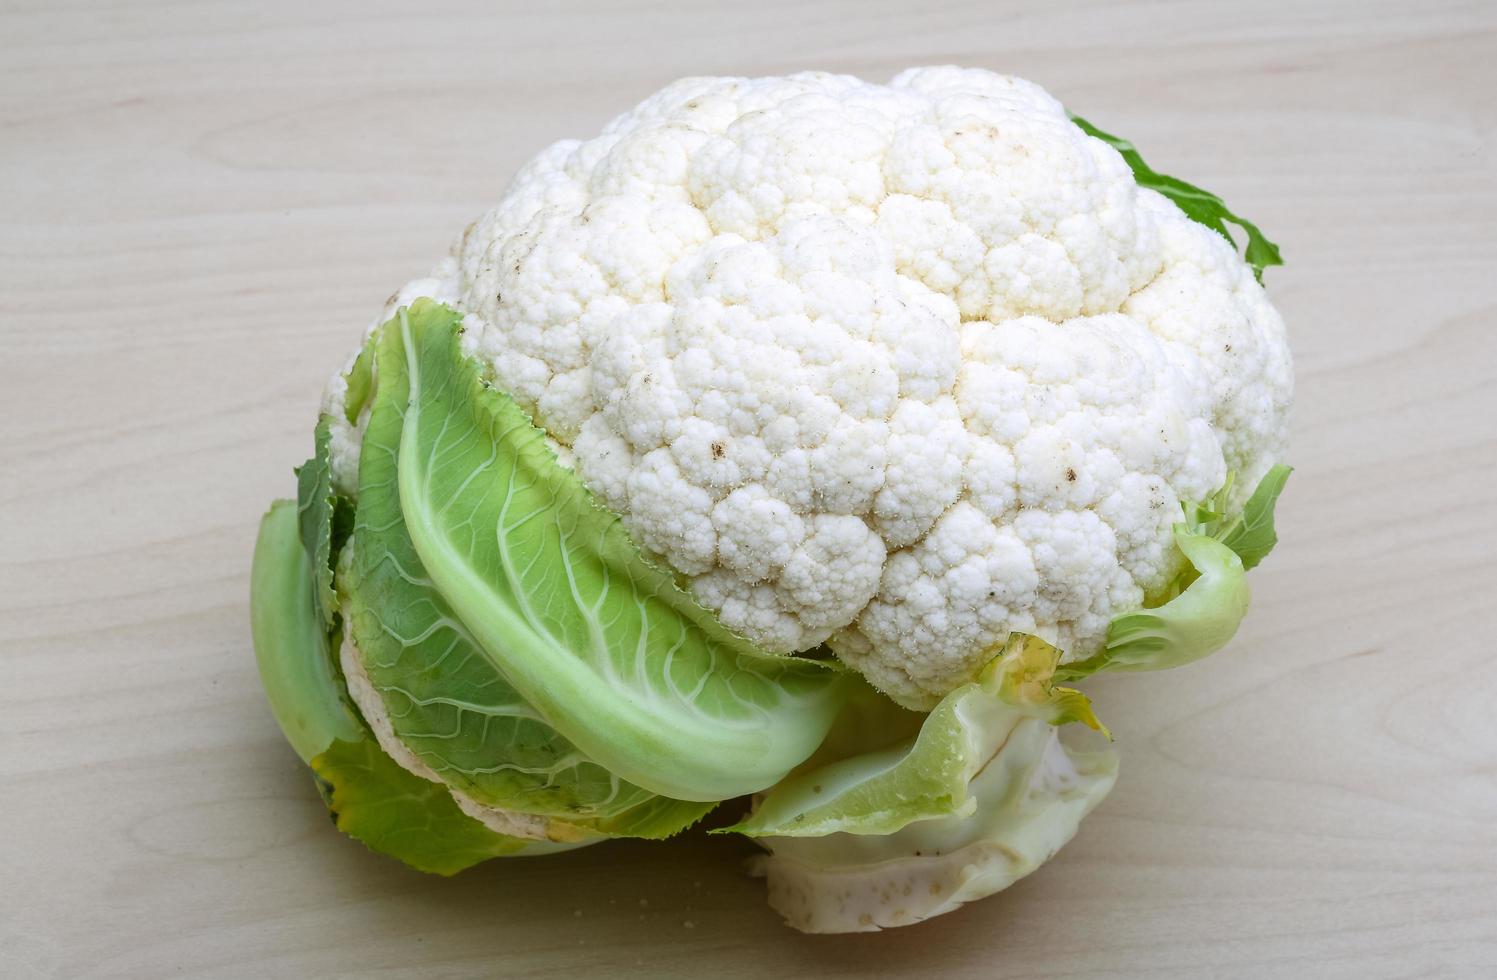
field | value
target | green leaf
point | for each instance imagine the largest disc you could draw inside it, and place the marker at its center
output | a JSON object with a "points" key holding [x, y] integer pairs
{"points": [[409, 818], [1023, 675], [882, 791], [291, 640], [448, 701], [1194, 624], [360, 382], [371, 796], [1207, 516], [1199, 611], [603, 645], [1198, 204], [1252, 536], [323, 516]]}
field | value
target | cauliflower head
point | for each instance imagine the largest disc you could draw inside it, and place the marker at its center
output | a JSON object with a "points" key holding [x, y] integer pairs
{"points": [[900, 369]]}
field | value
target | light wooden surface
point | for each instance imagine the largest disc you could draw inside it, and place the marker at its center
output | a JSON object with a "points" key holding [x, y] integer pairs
{"points": [[202, 203]]}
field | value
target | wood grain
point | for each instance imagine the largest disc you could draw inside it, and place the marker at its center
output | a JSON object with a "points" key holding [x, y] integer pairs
{"points": [[203, 202]]}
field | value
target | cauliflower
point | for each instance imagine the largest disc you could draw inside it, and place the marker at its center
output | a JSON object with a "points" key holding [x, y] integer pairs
{"points": [[795, 438], [897, 369]]}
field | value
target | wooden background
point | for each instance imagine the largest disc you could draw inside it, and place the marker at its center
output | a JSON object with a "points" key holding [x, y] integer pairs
{"points": [[201, 204]]}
